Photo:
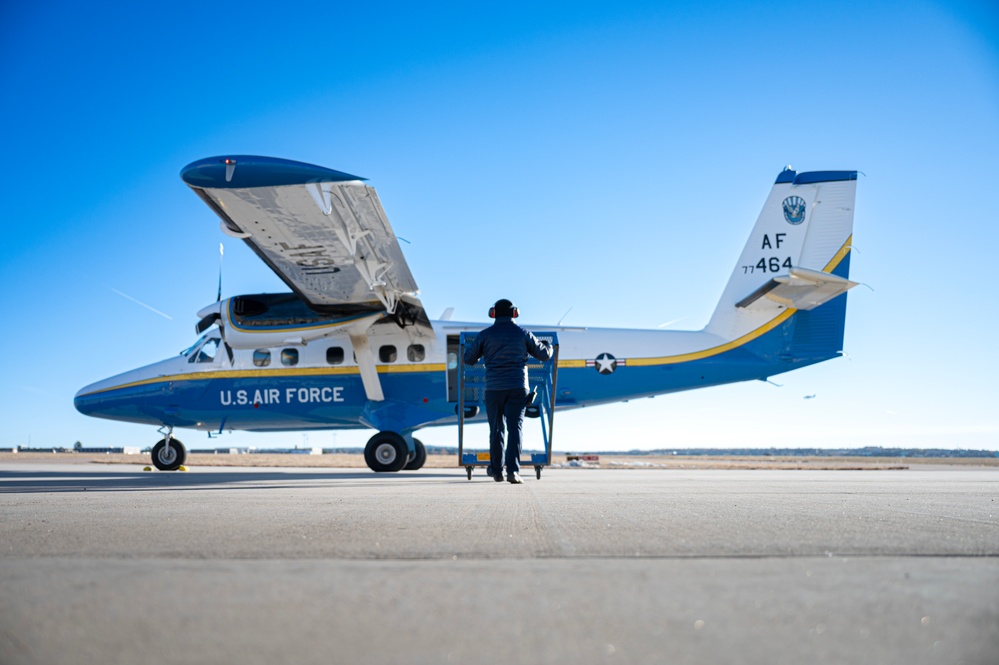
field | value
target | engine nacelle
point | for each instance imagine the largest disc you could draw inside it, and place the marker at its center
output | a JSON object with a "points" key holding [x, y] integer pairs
{"points": [[280, 319]]}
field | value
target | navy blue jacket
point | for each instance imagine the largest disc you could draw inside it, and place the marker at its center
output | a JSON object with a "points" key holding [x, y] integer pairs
{"points": [[505, 347]]}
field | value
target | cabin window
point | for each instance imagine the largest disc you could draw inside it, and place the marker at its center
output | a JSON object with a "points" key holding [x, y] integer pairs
{"points": [[206, 353], [289, 357], [416, 353], [261, 358], [334, 355], [387, 354]]}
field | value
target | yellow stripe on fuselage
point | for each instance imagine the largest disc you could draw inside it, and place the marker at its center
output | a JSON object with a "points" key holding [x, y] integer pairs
{"points": [[715, 350], [728, 346], [276, 372]]}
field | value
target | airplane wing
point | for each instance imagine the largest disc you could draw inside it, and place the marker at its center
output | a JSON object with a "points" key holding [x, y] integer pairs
{"points": [[322, 231]]}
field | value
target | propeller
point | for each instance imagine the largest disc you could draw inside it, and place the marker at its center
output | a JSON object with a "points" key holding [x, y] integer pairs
{"points": [[209, 320], [218, 298], [214, 314]]}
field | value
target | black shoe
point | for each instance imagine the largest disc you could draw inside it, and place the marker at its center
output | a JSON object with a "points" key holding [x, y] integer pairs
{"points": [[514, 478], [497, 477]]}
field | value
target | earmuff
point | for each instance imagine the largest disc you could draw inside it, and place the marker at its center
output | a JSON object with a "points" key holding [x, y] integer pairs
{"points": [[515, 312]]}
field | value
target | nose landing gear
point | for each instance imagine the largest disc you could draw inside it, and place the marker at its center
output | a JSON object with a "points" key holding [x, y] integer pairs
{"points": [[169, 454]]}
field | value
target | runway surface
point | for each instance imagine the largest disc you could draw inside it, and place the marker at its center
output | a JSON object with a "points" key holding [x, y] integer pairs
{"points": [[110, 564]]}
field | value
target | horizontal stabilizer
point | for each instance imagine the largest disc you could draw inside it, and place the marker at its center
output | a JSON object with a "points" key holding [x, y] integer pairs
{"points": [[801, 289]]}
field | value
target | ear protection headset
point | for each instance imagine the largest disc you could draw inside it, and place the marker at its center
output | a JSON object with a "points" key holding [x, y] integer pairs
{"points": [[506, 306]]}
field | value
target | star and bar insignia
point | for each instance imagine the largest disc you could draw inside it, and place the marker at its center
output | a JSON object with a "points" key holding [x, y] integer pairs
{"points": [[605, 363]]}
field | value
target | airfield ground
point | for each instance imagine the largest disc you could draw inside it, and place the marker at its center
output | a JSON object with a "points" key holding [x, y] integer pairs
{"points": [[614, 461], [801, 562]]}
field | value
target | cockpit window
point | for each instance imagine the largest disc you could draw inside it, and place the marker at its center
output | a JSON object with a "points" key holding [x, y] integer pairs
{"points": [[208, 350], [189, 350], [202, 351]]}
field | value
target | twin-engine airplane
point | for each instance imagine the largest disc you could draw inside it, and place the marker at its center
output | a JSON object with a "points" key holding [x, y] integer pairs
{"points": [[352, 346]]}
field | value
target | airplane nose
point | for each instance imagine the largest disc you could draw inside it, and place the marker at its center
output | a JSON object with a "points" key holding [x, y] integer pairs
{"points": [[143, 395], [99, 399], [85, 400], [115, 401]]}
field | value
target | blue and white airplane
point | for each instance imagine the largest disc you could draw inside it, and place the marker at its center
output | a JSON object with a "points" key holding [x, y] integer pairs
{"points": [[351, 346]]}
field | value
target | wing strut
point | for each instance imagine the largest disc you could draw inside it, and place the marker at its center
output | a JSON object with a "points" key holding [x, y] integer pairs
{"points": [[365, 357]]}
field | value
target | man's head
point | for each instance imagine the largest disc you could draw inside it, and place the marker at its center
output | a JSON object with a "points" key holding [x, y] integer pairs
{"points": [[504, 307]]}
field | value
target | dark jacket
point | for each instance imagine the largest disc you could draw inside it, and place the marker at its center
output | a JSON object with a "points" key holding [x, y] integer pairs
{"points": [[505, 347]]}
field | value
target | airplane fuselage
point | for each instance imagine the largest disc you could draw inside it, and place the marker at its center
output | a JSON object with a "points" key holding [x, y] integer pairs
{"points": [[318, 385]]}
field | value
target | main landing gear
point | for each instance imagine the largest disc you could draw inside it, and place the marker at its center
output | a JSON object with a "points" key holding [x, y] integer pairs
{"points": [[387, 451], [169, 454]]}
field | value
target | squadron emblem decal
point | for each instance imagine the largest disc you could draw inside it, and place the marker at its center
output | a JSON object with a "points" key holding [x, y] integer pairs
{"points": [[606, 363], [794, 210]]}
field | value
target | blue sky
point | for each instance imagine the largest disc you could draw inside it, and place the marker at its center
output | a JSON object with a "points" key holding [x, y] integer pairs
{"points": [[605, 157]]}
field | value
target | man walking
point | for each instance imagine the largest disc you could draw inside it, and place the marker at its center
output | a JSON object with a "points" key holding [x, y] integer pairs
{"points": [[505, 348]]}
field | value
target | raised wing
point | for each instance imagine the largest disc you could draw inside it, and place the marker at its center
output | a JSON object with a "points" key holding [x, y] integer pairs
{"points": [[322, 231]]}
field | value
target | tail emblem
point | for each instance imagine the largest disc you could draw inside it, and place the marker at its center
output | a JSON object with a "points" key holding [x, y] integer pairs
{"points": [[794, 210]]}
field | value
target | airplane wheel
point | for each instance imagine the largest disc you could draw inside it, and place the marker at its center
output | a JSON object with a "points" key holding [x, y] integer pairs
{"points": [[419, 457], [169, 454], [386, 451]]}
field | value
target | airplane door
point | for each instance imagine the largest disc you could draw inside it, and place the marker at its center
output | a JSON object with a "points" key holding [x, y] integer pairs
{"points": [[453, 345]]}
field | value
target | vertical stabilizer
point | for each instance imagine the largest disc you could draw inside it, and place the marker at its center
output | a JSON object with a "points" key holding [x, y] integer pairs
{"points": [[796, 261]]}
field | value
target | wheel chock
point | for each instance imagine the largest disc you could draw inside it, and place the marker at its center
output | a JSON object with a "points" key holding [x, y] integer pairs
{"points": [[147, 468]]}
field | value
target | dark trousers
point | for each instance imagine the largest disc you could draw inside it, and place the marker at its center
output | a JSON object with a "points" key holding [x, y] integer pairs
{"points": [[509, 405]]}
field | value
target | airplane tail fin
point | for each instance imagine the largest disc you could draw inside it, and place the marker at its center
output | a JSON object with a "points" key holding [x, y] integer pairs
{"points": [[793, 273]]}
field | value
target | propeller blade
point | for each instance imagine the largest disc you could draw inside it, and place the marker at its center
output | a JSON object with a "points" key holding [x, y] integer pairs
{"points": [[218, 298], [207, 322]]}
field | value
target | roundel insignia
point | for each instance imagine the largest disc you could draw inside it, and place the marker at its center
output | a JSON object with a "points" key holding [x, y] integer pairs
{"points": [[794, 210], [605, 363]]}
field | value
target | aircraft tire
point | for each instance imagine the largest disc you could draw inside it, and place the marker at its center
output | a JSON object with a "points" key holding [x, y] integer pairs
{"points": [[386, 451], [169, 457], [419, 457]]}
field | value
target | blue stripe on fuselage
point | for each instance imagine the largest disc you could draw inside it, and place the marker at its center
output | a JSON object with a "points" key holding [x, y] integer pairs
{"points": [[295, 401]]}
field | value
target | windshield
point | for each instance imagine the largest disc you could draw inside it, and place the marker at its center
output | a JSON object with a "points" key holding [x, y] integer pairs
{"points": [[194, 347], [189, 350]]}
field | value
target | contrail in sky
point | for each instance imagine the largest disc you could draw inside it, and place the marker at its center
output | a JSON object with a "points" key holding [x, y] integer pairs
{"points": [[139, 302]]}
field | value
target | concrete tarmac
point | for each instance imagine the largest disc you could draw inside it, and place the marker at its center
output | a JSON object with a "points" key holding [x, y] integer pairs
{"points": [[110, 564]]}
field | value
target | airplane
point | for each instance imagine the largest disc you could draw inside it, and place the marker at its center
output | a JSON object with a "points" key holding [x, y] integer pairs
{"points": [[351, 345]]}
